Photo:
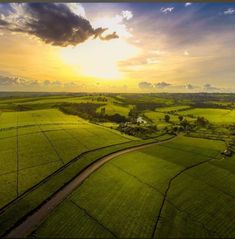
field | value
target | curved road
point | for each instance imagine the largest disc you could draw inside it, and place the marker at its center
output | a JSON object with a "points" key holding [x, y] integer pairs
{"points": [[34, 220]]}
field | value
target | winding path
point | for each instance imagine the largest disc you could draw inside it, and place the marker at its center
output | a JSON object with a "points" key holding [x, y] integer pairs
{"points": [[35, 219]]}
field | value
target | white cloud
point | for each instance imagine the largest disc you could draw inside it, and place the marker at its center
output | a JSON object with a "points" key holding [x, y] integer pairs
{"points": [[186, 53], [116, 23], [127, 15], [166, 9], [187, 4], [229, 11]]}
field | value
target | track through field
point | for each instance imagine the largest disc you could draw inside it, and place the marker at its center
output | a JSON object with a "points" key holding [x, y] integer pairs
{"points": [[35, 219]]}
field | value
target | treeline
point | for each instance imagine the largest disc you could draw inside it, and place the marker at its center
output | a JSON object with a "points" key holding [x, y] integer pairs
{"points": [[89, 111]]}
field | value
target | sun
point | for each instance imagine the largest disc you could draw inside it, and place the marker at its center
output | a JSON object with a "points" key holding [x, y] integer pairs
{"points": [[99, 59]]}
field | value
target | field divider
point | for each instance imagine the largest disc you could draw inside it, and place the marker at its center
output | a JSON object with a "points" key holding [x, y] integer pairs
{"points": [[162, 193], [166, 193], [26, 216], [94, 219], [4, 208], [17, 154]]}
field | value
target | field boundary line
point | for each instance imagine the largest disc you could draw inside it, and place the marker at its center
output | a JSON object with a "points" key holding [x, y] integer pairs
{"points": [[162, 194], [25, 225], [48, 139], [168, 188], [36, 132], [4, 208], [17, 154], [22, 169], [93, 218]]}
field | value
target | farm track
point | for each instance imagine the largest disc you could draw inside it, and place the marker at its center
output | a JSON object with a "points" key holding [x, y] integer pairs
{"points": [[167, 190], [33, 220], [4, 208]]}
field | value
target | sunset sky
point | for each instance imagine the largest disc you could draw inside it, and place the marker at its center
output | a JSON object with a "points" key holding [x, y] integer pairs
{"points": [[117, 47]]}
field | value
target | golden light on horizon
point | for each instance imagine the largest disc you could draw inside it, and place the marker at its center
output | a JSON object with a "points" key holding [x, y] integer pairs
{"points": [[99, 59]]}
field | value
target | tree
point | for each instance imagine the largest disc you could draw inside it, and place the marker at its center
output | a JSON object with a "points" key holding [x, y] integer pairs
{"points": [[167, 118], [184, 123], [102, 111], [180, 117], [202, 121]]}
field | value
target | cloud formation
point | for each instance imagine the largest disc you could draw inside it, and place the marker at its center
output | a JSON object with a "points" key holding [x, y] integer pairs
{"points": [[127, 15], [145, 85], [162, 85], [17, 82], [148, 85], [166, 9], [187, 4], [209, 87], [55, 23], [229, 11]]}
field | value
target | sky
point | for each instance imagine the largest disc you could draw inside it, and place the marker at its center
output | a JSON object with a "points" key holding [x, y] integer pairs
{"points": [[117, 47]]}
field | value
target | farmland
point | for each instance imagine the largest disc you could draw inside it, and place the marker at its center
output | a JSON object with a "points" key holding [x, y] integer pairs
{"points": [[190, 208], [179, 188], [218, 116], [36, 143]]}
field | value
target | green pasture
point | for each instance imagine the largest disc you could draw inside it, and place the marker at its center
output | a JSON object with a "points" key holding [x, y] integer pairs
{"points": [[158, 118], [218, 116], [172, 108], [123, 198], [111, 109]]}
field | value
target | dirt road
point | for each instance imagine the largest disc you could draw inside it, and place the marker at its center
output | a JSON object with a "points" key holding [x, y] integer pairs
{"points": [[34, 220]]}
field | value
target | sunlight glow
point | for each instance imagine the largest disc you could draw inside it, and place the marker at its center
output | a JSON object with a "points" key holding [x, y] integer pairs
{"points": [[99, 59]]}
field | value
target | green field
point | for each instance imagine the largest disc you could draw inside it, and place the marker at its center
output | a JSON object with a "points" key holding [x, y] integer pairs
{"points": [[179, 188], [111, 109], [124, 197], [158, 118], [33, 144], [172, 108], [218, 116]]}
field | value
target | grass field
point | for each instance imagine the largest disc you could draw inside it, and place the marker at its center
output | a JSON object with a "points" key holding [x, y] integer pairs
{"points": [[40, 192], [158, 118], [218, 116], [125, 197], [172, 108], [33, 144], [111, 109]]}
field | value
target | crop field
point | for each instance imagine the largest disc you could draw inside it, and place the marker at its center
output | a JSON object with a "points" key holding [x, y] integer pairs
{"points": [[180, 188], [218, 116], [33, 144], [158, 118], [111, 109], [172, 108]]}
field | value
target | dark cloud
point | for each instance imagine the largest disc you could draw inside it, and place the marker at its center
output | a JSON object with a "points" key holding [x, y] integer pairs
{"points": [[16, 81], [109, 36], [54, 23], [161, 85], [145, 85], [209, 87]]}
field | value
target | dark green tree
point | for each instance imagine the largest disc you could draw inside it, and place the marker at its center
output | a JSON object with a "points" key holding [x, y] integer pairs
{"points": [[167, 118]]}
